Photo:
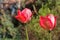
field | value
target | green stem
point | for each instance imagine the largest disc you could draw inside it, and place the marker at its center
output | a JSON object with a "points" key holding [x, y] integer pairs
{"points": [[27, 38], [50, 36]]}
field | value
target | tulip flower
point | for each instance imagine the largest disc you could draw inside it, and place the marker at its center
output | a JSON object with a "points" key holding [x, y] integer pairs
{"points": [[48, 22], [24, 16]]}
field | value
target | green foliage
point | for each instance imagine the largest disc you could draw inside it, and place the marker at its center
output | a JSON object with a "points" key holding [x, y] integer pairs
{"points": [[44, 10]]}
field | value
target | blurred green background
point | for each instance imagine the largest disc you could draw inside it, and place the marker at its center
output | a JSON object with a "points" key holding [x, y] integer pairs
{"points": [[31, 30]]}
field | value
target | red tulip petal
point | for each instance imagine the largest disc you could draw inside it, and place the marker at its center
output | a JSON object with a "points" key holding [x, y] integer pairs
{"points": [[54, 23], [53, 20], [49, 24], [27, 13], [42, 22], [18, 12], [21, 18], [51, 17]]}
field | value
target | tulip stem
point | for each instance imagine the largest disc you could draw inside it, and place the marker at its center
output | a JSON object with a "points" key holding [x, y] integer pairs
{"points": [[27, 38], [50, 35]]}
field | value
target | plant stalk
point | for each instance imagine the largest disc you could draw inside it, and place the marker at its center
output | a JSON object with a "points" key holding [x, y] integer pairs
{"points": [[27, 38]]}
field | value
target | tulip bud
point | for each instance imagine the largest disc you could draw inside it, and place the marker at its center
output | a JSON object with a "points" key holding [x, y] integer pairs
{"points": [[24, 16], [48, 22]]}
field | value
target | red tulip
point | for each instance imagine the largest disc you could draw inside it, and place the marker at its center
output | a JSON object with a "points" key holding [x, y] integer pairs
{"points": [[48, 22], [24, 16]]}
